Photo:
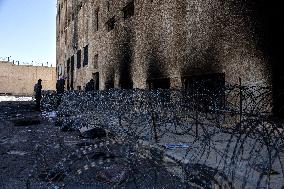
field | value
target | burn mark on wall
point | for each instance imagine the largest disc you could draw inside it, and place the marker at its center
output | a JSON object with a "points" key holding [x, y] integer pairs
{"points": [[266, 17], [125, 79], [157, 77], [75, 26], [205, 61], [179, 39]]}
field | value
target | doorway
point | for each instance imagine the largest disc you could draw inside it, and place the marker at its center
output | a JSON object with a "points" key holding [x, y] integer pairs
{"points": [[96, 77], [163, 83], [72, 74], [209, 88]]}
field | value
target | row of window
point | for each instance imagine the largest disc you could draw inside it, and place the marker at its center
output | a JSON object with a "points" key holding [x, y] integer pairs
{"points": [[85, 57], [71, 62], [128, 11]]}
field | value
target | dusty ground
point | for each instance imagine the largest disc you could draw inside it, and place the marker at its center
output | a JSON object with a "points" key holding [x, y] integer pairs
{"points": [[19, 144], [34, 153]]}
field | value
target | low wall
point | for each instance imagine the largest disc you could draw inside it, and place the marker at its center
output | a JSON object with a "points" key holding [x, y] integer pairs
{"points": [[19, 80]]}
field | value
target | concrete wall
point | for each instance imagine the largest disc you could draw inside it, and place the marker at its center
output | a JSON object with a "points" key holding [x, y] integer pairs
{"points": [[164, 39], [20, 79]]}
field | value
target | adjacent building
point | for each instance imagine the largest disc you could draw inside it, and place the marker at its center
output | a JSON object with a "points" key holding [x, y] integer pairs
{"points": [[19, 80]]}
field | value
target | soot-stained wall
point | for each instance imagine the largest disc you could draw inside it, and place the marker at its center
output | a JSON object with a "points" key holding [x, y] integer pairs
{"points": [[167, 39]]}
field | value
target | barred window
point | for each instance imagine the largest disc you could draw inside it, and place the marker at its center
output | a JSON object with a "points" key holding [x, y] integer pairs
{"points": [[110, 24], [86, 55], [79, 59], [96, 20]]}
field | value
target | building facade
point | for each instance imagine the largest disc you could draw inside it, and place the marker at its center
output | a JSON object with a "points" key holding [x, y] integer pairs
{"points": [[162, 43], [20, 79]]}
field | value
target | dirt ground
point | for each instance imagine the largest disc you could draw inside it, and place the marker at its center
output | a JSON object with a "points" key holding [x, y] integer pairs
{"points": [[22, 133], [34, 153]]}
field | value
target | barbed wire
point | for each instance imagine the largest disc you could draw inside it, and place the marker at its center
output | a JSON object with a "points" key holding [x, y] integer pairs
{"points": [[32, 63], [225, 138]]}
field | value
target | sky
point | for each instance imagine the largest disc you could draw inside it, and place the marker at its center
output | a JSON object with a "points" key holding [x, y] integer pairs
{"points": [[28, 31]]}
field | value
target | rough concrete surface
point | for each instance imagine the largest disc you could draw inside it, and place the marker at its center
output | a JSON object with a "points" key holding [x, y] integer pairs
{"points": [[20, 79]]}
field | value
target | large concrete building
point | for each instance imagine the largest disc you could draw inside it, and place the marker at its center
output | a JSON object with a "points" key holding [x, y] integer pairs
{"points": [[20, 79], [168, 43]]}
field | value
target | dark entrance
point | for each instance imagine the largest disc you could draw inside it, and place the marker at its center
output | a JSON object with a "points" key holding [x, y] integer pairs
{"points": [[163, 83], [209, 89], [72, 74], [278, 93], [109, 84], [96, 77], [125, 76]]}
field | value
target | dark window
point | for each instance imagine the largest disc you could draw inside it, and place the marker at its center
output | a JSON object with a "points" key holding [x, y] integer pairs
{"points": [[159, 83], [108, 5], [68, 66], [96, 20], [86, 55], [72, 74], [110, 24], [68, 72], [73, 16], [79, 6], [128, 10], [79, 88], [79, 59], [96, 57]]}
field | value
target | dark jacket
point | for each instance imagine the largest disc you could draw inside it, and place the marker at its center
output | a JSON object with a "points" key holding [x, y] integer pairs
{"points": [[90, 86], [60, 86], [37, 90]]}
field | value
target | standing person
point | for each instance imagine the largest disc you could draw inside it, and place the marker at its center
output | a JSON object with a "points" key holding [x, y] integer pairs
{"points": [[60, 86], [59, 90], [90, 86], [37, 90]]}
